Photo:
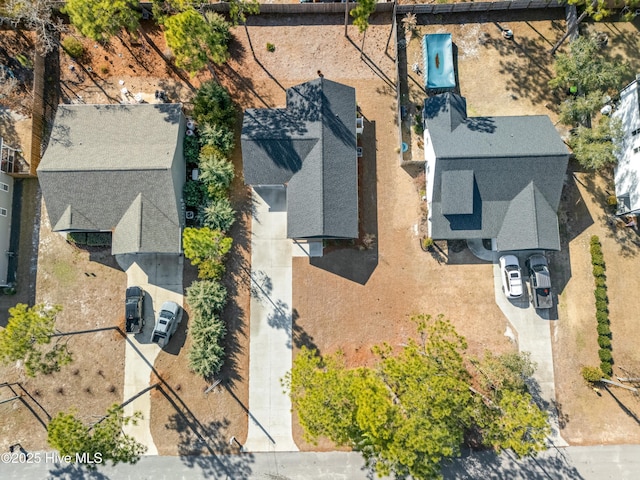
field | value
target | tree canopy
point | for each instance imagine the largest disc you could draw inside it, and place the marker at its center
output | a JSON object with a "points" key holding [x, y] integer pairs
{"points": [[411, 410], [102, 19], [206, 248], [597, 147], [361, 14], [587, 69], [239, 9], [102, 441], [27, 337], [600, 9], [197, 39]]}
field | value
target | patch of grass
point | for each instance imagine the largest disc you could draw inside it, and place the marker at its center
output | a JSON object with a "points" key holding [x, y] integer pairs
{"points": [[271, 47], [64, 273], [73, 47]]}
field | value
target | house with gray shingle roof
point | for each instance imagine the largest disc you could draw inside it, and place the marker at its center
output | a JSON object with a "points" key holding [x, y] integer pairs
{"points": [[118, 169], [310, 147], [496, 178]]}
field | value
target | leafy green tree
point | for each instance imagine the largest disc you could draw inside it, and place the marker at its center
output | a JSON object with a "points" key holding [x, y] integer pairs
{"points": [[206, 248], [197, 39], [207, 297], [215, 171], [411, 410], [212, 105], [206, 355], [580, 109], [104, 440], [239, 9], [596, 147], [27, 337], [600, 9], [361, 14], [219, 214], [100, 20], [586, 68], [220, 137]]}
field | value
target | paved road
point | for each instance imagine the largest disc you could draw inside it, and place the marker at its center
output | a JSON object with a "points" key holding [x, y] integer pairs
{"points": [[616, 462], [161, 277], [270, 354]]}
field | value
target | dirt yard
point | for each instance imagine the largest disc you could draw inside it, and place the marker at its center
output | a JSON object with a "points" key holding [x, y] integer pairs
{"points": [[89, 286], [350, 299]]}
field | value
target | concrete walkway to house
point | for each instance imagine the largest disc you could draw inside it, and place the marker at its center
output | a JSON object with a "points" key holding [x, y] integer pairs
{"points": [[534, 336], [160, 276], [270, 348]]}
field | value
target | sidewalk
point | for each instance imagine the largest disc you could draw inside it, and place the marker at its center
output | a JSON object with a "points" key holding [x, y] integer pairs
{"points": [[270, 348]]}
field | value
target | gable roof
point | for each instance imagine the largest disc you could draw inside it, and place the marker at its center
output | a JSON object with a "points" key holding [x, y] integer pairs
{"points": [[117, 168], [495, 177], [627, 170], [311, 147]]}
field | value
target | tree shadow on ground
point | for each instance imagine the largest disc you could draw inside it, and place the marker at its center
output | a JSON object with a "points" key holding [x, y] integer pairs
{"points": [[630, 413], [207, 446], [76, 472], [487, 465]]}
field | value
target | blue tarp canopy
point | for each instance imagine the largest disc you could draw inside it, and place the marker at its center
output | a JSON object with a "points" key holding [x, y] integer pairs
{"points": [[437, 51]]}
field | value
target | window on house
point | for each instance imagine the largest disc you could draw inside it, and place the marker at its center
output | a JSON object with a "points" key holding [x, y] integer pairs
{"points": [[4, 187], [3, 212]]}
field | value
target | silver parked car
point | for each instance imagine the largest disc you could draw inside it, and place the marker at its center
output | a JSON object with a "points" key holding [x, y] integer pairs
{"points": [[167, 323], [511, 276]]}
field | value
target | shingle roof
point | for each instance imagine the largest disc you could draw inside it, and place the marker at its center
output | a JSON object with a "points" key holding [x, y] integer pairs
{"points": [[518, 166], [310, 146], [117, 168]]}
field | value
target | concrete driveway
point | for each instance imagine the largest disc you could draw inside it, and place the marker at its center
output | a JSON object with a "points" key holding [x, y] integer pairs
{"points": [[270, 347], [160, 275], [533, 329]]}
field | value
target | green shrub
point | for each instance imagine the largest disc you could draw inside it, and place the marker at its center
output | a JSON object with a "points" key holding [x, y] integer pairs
{"points": [[606, 369], [219, 215], [418, 127], [601, 306], [216, 171], [99, 239], [218, 136], [595, 249], [603, 329], [212, 105], [79, 238], [206, 355], [207, 298], [604, 342], [271, 47], [598, 259], [194, 193], [594, 240], [191, 149], [605, 354], [601, 294], [73, 47], [598, 271], [600, 281], [591, 374], [602, 317]]}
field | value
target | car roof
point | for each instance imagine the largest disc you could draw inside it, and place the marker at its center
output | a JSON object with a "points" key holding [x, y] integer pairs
{"points": [[134, 291], [172, 307]]}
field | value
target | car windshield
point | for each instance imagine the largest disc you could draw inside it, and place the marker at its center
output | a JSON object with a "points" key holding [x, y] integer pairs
{"points": [[166, 314]]}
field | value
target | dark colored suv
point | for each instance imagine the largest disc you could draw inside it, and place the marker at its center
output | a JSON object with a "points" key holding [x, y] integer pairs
{"points": [[134, 309]]}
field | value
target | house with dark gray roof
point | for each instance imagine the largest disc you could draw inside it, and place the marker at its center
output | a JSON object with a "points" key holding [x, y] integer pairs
{"points": [[310, 147], [497, 178], [118, 169]]}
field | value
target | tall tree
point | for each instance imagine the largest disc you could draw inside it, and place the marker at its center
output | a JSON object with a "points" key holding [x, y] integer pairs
{"points": [[239, 9], [27, 337], [361, 14], [36, 15], [586, 69], [597, 147], [206, 248], [411, 411], [100, 442], [600, 9], [102, 19], [197, 39]]}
